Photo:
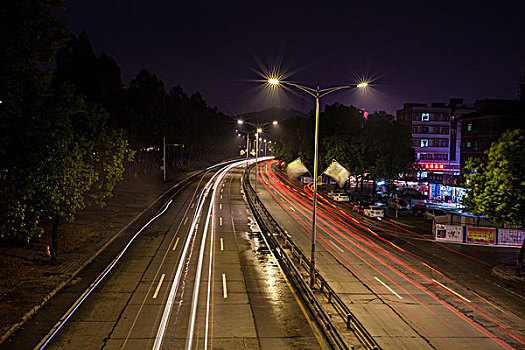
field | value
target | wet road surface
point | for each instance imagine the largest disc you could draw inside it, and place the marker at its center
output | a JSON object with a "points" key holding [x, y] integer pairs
{"points": [[409, 292], [199, 276]]}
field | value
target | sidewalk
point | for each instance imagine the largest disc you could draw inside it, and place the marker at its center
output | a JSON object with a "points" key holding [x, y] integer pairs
{"points": [[27, 277]]}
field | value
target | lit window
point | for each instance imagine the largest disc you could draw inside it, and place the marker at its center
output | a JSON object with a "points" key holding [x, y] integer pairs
{"points": [[425, 117], [469, 144], [424, 143], [469, 127]]}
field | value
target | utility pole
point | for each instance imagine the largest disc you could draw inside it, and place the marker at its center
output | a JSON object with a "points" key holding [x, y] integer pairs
{"points": [[247, 147], [164, 158]]}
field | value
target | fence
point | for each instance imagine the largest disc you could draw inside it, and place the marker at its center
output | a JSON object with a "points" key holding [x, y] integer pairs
{"points": [[296, 266]]}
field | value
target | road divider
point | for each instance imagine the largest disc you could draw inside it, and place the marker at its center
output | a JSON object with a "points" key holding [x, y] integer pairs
{"points": [[296, 267]]}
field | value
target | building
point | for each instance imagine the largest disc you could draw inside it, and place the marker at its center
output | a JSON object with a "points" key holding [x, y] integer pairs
{"points": [[435, 137], [481, 128]]}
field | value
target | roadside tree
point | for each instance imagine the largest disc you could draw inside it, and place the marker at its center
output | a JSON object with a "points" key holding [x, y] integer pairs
{"points": [[495, 185]]}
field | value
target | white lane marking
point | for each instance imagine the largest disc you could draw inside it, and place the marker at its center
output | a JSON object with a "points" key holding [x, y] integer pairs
{"points": [[222, 189], [192, 205], [176, 242], [225, 290], [221, 196], [185, 221], [450, 290], [292, 209], [335, 245], [158, 286], [387, 287], [220, 206], [220, 221], [222, 244]]}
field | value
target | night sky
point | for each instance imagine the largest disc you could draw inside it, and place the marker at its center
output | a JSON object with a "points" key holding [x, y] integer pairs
{"points": [[414, 52]]}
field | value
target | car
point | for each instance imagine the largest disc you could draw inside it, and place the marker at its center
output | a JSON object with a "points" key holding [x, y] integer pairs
{"points": [[432, 213], [374, 211], [339, 197], [418, 209], [361, 205], [398, 203]]}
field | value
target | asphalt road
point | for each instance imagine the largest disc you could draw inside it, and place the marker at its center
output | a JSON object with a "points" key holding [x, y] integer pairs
{"points": [[198, 276], [408, 291]]}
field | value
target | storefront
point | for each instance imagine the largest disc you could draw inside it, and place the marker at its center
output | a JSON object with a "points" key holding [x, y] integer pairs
{"points": [[445, 194]]}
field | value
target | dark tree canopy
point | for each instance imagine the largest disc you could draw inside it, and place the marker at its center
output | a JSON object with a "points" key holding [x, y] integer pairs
{"points": [[379, 145]]}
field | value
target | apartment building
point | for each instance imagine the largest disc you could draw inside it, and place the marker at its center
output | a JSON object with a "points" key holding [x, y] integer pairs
{"points": [[435, 136], [492, 118]]}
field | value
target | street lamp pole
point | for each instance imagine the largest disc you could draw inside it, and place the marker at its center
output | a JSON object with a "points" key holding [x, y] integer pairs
{"points": [[256, 158], [316, 93], [258, 130]]}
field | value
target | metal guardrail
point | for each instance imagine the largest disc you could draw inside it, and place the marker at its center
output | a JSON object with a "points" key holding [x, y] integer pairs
{"points": [[300, 280]]}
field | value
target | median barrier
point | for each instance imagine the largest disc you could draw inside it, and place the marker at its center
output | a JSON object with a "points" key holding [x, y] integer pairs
{"points": [[296, 266]]}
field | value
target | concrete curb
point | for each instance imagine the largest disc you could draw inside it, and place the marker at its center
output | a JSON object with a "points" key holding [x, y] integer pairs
{"points": [[35, 309]]}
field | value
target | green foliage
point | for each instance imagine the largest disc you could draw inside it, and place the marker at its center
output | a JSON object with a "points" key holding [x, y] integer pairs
{"points": [[495, 185], [57, 153]]}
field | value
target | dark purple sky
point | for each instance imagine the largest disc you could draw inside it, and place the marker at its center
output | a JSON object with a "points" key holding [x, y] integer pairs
{"points": [[416, 52]]}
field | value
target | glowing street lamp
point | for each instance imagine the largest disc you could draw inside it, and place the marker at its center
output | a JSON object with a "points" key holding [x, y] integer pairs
{"points": [[316, 93], [259, 130]]}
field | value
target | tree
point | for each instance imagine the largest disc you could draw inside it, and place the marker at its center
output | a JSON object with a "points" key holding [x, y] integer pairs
{"points": [[57, 152], [495, 185], [84, 162], [390, 152]]}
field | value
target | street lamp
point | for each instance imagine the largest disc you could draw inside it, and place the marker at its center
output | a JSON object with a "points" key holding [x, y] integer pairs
{"points": [[316, 93], [259, 130]]}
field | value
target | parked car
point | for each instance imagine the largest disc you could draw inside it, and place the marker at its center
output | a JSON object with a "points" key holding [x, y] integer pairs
{"points": [[398, 203], [374, 211], [339, 197], [418, 209], [432, 213], [360, 205]]}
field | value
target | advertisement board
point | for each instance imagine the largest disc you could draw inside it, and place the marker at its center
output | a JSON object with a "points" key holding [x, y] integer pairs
{"points": [[485, 235], [510, 236], [451, 233]]}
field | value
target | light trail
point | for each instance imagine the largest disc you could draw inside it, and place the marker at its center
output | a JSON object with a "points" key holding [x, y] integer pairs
{"points": [[297, 200], [174, 287], [209, 216], [56, 328], [212, 184]]}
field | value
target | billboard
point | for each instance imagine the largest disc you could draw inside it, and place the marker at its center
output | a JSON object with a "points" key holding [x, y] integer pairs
{"points": [[511, 236], [451, 233], [485, 235]]}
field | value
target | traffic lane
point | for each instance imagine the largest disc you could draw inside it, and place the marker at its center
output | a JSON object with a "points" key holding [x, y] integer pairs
{"points": [[467, 265], [369, 307], [279, 319], [421, 287], [101, 315], [112, 298], [226, 316]]}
